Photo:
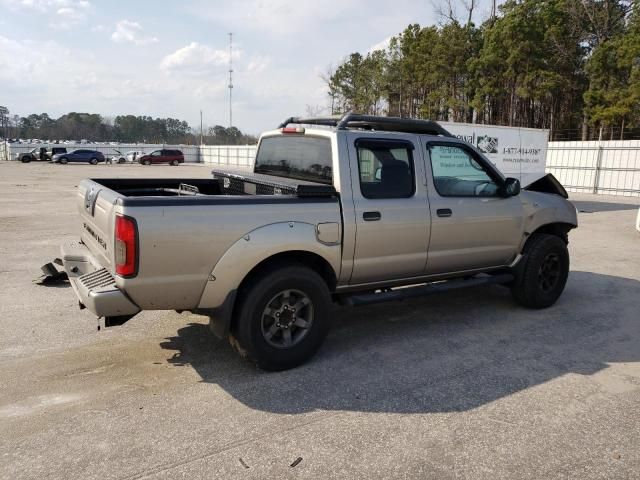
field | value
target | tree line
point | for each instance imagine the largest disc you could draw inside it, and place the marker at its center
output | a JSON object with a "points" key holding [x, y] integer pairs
{"points": [[122, 128], [570, 66]]}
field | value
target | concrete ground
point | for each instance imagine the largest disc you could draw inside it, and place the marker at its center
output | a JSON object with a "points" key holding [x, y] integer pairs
{"points": [[464, 385]]}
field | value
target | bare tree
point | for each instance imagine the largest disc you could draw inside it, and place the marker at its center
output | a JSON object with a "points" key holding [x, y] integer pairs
{"points": [[447, 11], [314, 110], [327, 78], [469, 6]]}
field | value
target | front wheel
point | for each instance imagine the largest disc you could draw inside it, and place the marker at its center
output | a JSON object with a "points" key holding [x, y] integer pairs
{"points": [[26, 159], [64, 160], [542, 278], [174, 163], [283, 317], [146, 162], [93, 161]]}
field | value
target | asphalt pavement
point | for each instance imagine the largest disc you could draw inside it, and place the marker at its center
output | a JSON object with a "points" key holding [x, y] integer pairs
{"points": [[462, 385]]}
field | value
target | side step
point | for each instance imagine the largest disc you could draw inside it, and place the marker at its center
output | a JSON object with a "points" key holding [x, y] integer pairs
{"points": [[422, 290]]}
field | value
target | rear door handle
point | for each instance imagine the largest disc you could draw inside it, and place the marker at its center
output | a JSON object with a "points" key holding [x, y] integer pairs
{"points": [[444, 212], [371, 216]]}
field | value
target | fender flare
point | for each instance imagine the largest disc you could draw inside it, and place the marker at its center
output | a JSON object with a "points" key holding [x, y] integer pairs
{"points": [[218, 296]]}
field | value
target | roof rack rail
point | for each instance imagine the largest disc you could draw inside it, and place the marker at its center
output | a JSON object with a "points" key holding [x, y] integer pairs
{"points": [[373, 122]]}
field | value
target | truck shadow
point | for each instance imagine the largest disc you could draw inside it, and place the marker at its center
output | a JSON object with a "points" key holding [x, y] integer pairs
{"points": [[446, 353]]}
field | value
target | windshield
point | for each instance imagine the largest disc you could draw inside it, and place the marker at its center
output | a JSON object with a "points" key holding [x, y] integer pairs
{"points": [[300, 157]]}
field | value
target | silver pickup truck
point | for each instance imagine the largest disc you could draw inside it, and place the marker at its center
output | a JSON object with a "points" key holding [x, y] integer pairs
{"points": [[352, 210]]}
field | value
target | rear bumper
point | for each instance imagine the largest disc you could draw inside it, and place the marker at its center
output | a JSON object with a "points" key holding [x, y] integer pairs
{"points": [[94, 286]]}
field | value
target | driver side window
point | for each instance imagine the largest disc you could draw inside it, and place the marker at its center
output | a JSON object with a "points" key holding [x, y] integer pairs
{"points": [[457, 174]]}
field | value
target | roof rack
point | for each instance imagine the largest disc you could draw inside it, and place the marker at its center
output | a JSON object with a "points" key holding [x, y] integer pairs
{"points": [[372, 122]]}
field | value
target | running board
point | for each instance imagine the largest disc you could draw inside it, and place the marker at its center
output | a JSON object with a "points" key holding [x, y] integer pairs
{"points": [[422, 290]]}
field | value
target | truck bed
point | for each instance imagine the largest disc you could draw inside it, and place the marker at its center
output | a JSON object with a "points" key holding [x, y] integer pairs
{"points": [[223, 183]]}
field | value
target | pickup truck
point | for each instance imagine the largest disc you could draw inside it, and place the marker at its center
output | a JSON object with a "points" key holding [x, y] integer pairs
{"points": [[353, 210]]}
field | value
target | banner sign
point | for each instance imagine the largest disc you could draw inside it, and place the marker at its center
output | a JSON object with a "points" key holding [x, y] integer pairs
{"points": [[516, 152]]}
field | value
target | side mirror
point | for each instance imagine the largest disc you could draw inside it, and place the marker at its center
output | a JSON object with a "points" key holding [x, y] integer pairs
{"points": [[511, 187]]}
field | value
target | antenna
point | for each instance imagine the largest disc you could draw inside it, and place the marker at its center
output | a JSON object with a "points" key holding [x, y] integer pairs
{"points": [[230, 80]]}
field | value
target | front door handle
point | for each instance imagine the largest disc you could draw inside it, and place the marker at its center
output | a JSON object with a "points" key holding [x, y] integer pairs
{"points": [[371, 216], [444, 212]]}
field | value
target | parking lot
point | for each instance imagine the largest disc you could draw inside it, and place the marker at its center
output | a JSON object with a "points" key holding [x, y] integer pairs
{"points": [[461, 385]]}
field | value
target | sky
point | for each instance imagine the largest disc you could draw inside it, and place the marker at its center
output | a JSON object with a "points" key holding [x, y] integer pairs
{"points": [[170, 59]]}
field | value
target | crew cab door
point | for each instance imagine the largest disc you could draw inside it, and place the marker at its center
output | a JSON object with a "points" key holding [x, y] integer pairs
{"points": [[473, 225], [391, 208]]}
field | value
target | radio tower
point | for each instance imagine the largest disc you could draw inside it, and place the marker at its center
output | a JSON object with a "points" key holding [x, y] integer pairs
{"points": [[230, 80]]}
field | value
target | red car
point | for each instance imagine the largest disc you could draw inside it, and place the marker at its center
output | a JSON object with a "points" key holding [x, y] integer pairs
{"points": [[172, 157]]}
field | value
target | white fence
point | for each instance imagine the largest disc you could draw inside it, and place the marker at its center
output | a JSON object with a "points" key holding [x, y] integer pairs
{"points": [[9, 151], [232, 155], [610, 168]]}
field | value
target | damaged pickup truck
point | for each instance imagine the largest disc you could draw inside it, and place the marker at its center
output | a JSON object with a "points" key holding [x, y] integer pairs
{"points": [[353, 210]]}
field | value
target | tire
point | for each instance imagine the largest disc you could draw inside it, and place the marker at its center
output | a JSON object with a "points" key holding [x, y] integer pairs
{"points": [[174, 163], [542, 278], [93, 161], [64, 160], [146, 162], [26, 159], [277, 340]]}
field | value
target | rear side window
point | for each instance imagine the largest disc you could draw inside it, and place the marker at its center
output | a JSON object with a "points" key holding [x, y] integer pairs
{"points": [[386, 169], [300, 157]]}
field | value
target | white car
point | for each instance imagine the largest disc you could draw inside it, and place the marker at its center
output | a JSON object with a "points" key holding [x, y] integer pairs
{"points": [[133, 154], [118, 157]]}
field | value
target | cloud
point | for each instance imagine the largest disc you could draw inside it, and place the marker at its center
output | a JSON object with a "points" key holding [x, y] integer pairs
{"points": [[383, 45], [131, 32], [196, 59], [258, 63], [66, 13], [280, 17]]}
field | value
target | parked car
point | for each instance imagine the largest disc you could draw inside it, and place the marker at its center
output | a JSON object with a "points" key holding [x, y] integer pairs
{"points": [[89, 156], [172, 157], [269, 252], [35, 154], [133, 155], [39, 154], [51, 151], [119, 157]]}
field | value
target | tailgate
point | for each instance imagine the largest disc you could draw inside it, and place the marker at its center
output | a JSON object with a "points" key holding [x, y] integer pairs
{"points": [[96, 205]]}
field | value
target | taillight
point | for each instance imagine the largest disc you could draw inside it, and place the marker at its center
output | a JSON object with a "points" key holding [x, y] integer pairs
{"points": [[126, 247]]}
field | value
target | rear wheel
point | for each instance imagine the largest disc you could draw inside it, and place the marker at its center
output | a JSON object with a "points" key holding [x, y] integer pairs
{"points": [[541, 280], [93, 161], [283, 317], [174, 163], [26, 159]]}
